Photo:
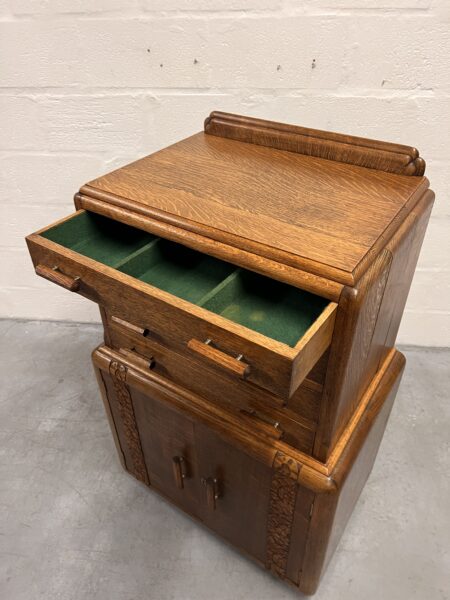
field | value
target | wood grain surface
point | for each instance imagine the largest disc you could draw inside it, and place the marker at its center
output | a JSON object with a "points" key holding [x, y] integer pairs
{"points": [[366, 325], [320, 215], [251, 404], [364, 152], [284, 509], [266, 443], [271, 363]]}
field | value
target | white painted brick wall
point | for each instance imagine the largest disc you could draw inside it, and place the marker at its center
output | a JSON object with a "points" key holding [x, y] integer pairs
{"points": [[88, 86]]}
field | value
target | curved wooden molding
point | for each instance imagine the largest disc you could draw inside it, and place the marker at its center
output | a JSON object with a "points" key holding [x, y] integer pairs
{"points": [[275, 266], [372, 154], [311, 473]]}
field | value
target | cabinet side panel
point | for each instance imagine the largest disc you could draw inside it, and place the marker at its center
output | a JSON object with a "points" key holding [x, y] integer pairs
{"points": [[367, 324], [405, 248], [299, 533], [332, 511], [358, 475], [349, 372]]}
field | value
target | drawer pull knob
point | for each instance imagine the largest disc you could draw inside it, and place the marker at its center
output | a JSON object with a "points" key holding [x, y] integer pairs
{"points": [[56, 276], [179, 471], [206, 350], [212, 491]]}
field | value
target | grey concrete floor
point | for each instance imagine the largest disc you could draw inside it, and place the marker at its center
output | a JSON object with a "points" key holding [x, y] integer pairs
{"points": [[74, 525]]}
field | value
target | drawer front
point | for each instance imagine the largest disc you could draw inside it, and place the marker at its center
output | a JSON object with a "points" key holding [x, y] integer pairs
{"points": [[183, 326], [255, 406], [304, 403]]}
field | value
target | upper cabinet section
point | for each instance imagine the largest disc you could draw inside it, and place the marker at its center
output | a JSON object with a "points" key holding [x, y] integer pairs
{"points": [[316, 201]]}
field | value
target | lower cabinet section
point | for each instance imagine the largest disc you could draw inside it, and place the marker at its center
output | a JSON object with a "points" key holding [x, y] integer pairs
{"points": [[189, 463], [281, 507]]}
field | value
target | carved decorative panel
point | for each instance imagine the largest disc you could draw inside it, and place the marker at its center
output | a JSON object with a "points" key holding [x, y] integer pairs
{"points": [[283, 494], [118, 373]]}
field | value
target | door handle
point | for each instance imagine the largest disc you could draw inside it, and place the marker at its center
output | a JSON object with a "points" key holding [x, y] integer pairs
{"points": [[212, 491], [179, 471]]}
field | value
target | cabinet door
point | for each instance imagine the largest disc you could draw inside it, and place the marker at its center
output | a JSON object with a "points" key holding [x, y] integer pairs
{"points": [[168, 445], [156, 441], [236, 489]]}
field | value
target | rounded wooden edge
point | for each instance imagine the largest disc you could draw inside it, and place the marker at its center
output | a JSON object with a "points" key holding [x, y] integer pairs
{"points": [[359, 151]]}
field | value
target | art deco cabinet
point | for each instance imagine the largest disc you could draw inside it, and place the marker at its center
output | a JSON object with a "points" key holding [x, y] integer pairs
{"points": [[251, 280]]}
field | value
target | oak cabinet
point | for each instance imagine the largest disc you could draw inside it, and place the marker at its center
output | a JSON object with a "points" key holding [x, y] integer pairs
{"points": [[251, 280]]}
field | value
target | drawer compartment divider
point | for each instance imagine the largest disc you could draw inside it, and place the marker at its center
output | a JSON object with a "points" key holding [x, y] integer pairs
{"points": [[207, 297], [128, 263], [178, 270]]}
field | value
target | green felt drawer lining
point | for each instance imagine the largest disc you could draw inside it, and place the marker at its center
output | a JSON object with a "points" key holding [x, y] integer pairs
{"points": [[277, 310]]}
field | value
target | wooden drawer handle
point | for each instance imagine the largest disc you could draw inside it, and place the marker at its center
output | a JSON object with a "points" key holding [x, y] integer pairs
{"points": [[56, 276], [227, 362], [143, 362], [212, 491], [270, 426], [129, 327], [179, 471]]}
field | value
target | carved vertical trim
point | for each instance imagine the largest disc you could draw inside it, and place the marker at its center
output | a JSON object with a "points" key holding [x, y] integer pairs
{"points": [[118, 373], [283, 495]]}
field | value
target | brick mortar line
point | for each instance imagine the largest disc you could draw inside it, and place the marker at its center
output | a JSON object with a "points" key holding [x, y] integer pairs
{"points": [[4, 153], [211, 14], [36, 92]]}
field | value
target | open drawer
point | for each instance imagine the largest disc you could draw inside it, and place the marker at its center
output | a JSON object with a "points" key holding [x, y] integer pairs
{"points": [[252, 327]]}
